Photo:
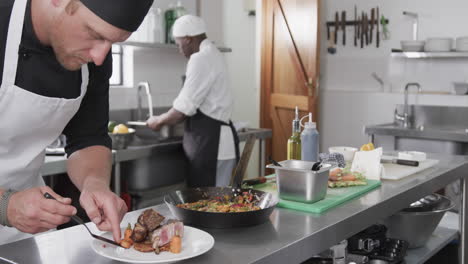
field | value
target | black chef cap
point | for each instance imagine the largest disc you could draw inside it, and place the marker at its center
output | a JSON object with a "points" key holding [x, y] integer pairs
{"points": [[124, 14]]}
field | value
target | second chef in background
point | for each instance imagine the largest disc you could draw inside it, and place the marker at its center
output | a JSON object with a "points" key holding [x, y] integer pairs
{"points": [[205, 102]]}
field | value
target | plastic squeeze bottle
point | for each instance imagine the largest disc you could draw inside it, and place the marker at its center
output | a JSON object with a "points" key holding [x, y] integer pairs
{"points": [[294, 142], [310, 141]]}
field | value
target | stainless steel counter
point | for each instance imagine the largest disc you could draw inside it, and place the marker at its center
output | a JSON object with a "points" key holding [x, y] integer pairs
{"points": [[451, 133], [57, 164], [289, 237]]}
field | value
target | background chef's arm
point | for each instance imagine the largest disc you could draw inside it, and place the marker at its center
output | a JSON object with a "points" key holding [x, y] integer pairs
{"points": [[171, 117]]}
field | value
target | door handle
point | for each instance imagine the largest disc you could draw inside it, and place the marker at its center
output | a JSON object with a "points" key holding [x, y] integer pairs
{"points": [[310, 86]]}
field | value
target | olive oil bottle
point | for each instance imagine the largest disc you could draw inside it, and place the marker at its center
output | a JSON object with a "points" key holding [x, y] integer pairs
{"points": [[294, 142]]}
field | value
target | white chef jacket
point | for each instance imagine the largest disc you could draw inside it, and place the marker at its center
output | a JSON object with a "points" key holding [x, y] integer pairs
{"points": [[206, 88]]}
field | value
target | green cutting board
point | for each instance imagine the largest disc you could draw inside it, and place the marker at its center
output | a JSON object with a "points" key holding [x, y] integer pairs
{"points": [[334, 197]]}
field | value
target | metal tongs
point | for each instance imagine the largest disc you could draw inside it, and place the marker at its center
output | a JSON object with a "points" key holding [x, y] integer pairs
{"points": [[316, 166], [274, 162], [78, 220]]}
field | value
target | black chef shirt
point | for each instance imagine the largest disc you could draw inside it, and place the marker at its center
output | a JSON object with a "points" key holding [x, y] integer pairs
{"points": [[39, 72]]}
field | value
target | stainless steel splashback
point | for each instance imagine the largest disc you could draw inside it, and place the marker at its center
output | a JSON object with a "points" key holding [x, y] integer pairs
{"points": [[437, 116]]}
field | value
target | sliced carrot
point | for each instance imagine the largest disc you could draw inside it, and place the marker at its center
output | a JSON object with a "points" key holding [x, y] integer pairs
{"points": [[128, 232], [126, 243], [348, 177], [335, 173], [176, 244]]}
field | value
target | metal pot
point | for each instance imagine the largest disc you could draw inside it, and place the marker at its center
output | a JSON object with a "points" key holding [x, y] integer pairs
{"points": [[298, 182], [416, 223], [267, 203], [121, 141]]}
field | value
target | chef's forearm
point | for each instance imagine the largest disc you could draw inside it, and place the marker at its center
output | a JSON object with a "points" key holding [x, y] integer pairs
{"points": [[173, 117], [90, 166]]}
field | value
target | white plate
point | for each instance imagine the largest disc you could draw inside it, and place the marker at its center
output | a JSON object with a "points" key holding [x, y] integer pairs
{"points": [[195, 242]]}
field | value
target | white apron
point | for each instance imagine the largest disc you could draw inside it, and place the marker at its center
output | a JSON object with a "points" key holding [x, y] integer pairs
{"points": [[28, 122]]}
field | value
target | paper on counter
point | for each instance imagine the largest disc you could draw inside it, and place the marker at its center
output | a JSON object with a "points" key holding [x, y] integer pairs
{"points": [[368, 163]]}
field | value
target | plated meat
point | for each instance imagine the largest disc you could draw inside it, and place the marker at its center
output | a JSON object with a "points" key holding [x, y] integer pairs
{"points": [[139, 233], [166, 232], [148, 235], [150, 219], [143, 246]]}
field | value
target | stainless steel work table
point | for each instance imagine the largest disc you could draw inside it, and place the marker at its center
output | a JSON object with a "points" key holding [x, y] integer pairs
{"points": [[57, 164], [289, 237]]}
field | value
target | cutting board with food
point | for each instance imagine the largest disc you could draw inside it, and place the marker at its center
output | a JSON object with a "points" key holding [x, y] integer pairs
{"points": [[397, 172], [334, 197]]}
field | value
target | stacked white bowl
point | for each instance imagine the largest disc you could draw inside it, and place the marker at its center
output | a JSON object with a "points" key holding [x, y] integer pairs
{"points": [[461, 44], [412, 45], [438, 44]]}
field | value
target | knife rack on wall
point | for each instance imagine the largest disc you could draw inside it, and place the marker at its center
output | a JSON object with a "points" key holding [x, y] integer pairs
{"points": [[364, 25]]}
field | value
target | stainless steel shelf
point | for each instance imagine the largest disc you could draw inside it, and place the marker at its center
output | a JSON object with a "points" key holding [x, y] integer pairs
{"points": [[444, 234], [424, 55], [160, 45]]}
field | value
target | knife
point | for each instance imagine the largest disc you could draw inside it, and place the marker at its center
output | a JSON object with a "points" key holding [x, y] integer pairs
{"points": [[361, 26], [355, 26], [377, 36], [358, 28], [372, 20], [337, 25], [412, 163], [366, 28], [254, 181], [343, 26]]}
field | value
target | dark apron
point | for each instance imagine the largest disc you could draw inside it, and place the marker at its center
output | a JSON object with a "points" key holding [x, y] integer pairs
{"points": [[201, 142]]}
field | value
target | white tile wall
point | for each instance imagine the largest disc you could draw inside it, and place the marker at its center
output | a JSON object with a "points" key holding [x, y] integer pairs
{"points": [[351, 98], [351, 67]]}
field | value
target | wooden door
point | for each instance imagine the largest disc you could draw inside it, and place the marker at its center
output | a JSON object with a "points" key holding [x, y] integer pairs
{"points": [[290, 67]]}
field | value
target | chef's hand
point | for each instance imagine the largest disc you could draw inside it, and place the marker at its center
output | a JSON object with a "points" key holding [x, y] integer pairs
{"points": [[103, 207], [155, 122], [29, 212]]}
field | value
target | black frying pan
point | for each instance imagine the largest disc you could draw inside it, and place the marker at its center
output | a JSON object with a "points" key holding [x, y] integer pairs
{"points": [[267, 203]]}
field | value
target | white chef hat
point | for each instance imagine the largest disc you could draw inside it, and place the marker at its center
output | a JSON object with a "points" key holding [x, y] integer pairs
{"points": [[188, 25]]}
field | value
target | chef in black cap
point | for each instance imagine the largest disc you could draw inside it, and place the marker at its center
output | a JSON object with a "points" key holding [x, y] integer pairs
{"points": [[55, 65]]}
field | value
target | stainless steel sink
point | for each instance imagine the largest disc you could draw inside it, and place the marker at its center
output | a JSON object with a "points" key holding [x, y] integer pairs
{"points": [[441, 117], [433, 129], [145, 133], [167, 132], [166, 165], [437, 129], [139, 142]]}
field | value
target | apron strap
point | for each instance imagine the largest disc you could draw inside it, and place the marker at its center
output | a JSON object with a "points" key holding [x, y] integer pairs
{"points": [[233, 130], [15, 31], [84, 79], [236, 141]]}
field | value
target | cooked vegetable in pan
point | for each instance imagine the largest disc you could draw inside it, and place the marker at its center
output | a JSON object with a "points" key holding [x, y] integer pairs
{"points": [[224, 204]]}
